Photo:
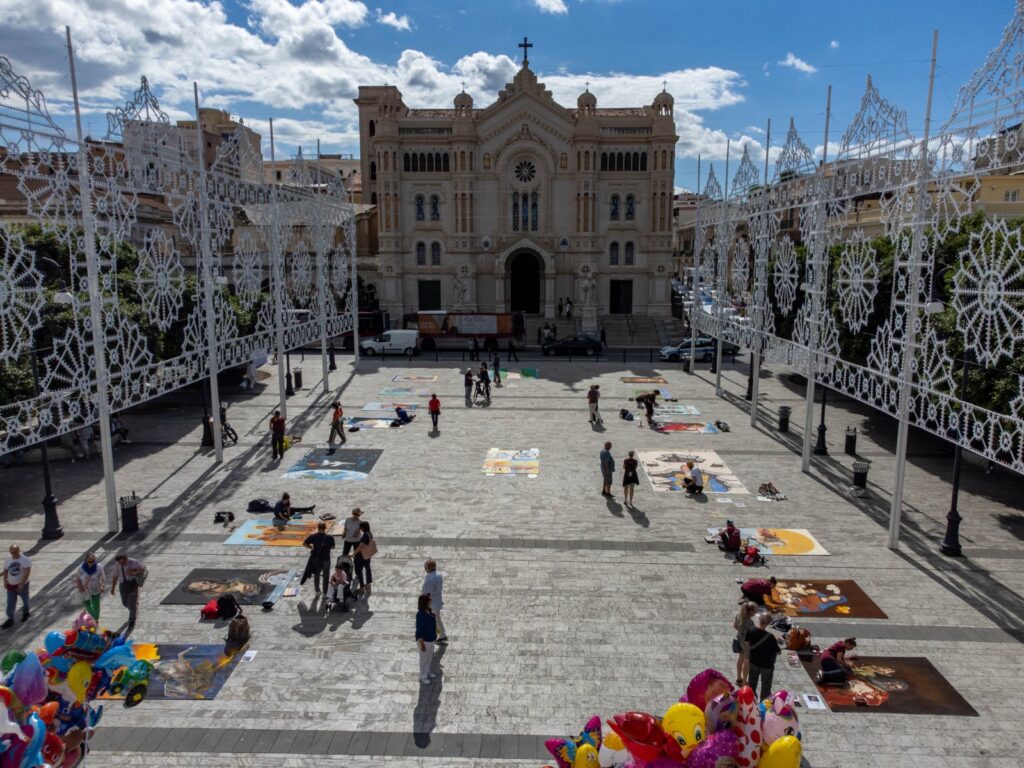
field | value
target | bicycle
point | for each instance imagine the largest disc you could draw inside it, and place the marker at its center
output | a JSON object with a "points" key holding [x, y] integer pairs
{"points": [[227, 432], [482, 393]]}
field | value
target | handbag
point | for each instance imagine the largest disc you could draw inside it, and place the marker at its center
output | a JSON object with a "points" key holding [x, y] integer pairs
{"points": [[371, 549], [736, 644]]}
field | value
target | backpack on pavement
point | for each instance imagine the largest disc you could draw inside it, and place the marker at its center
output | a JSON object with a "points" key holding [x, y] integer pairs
{"points": [[238, 631], [260, 505], [209, 611], [228, 607]]}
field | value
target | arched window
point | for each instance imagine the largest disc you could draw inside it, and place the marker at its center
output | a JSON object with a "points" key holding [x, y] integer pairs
{"points": [[618, 161], [614, 212], [628, 260], [437, 162], [636, 161], [435, 208], [470, 161], [415, 163], [385, 161], [406, 165], [462, 160], [515, 212], [629, 162], [373, 128], [613, 255], [533, 211], [444, 163], [643, 161], [526, 212], [604, 161], [373, 170], [419, 208], [586, 160], [373, 198], [421, 254], [430, 162], [579, 161], [630, 207], [664, 159], [435, 254]]}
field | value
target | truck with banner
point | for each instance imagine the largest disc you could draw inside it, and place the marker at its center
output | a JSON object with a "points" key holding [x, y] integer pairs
{"points": [[453, 330]]}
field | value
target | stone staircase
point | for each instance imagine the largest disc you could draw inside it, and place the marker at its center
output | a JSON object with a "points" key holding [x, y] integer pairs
{"points": [[563, 327], [630, 330], [671, 330]]}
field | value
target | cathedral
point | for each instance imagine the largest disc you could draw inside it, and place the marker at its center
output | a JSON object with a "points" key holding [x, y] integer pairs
{"points": [[520, 204]]}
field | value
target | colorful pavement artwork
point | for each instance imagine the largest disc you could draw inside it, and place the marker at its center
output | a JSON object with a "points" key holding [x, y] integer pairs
{"points": [[680, 408], [386, 406], [404, 392], [413, 377], [644, 379], [664, 394], [336, 464], [368, 422], [500, 461], [899, 685], [703, 427], [666, 470], [263, 533], [823, 598], [524, 373], [250, 587], [781, 541], [190, 672]]}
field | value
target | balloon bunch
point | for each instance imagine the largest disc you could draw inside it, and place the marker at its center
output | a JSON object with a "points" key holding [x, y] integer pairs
{"points": [[712, 721], [46, 712]]}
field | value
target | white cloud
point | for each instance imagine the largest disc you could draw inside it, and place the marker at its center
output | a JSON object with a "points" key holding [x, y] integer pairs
{"points": [[403, 23], [551, 6], [754, 129], [834, 44], [792, 60]]}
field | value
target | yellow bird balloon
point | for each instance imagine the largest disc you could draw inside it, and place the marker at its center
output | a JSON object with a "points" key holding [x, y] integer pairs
{"points": [[784, 752], [685, 724]]}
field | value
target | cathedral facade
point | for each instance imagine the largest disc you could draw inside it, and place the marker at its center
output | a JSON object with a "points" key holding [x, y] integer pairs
{"points": [[520, 204]]}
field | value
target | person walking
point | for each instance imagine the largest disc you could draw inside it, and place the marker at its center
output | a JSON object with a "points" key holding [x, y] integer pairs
{"points": [[364, 554], [604, 338], [593, 395], [426, 636], [496, 366], [630, 478], [352, 532], [90, 581], [474, 349], [468, 381], [337, 426], [128, 574], [511, 352], [607, 468], [17, 569], [484, 380], [320, 546], [568, 309], [743, 623], [433, 585], [540, 334], [434, 408], [764, 649], [561, 307], [277, 435]]}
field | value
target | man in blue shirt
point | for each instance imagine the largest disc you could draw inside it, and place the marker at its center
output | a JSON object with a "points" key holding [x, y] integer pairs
{"points": [[402, 416], [433, 585], [607, 468]]}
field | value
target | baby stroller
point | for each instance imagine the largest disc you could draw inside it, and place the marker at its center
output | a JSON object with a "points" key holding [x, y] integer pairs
{"points": [[482, 392]]}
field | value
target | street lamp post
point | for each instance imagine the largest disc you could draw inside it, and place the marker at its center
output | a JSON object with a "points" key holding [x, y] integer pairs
{"points": [[289, 390], [820, 449], [951, 542], [332, 365], [52, 528]]}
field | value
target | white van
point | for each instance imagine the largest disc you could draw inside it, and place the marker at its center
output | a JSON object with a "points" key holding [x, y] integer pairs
{"points": [[392, 342]]}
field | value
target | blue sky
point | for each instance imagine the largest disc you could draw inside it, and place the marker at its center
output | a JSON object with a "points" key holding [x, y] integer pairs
{"points": [[731, 64]]}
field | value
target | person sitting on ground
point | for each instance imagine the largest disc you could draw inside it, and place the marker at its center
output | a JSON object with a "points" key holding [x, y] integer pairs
{"points": [[835, 670], [284, 511], [402, 416], [340, 591], [756, 590], [729, 538], [695, 482]]}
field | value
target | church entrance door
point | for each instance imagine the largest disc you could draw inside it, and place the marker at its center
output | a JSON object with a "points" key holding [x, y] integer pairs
{"points": [[525, 282]]}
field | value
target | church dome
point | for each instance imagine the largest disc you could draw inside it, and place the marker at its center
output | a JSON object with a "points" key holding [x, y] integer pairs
{"points": [[586, 101], [663, 103], [463, 101]]}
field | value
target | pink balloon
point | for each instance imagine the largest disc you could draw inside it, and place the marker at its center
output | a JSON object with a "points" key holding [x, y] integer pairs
{"points": [[709, 681], [712, 749], [747, 729], [29, 681]]}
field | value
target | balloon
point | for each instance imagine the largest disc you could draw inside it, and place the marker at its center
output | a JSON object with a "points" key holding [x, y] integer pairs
{"points": [[586, 757], [720, 713], [705, 686], [47, 711], [780, 717], [54, 641], [84, 620], [568, 751], [7, 725], [641, 734], [684, 729], [747, 728], [712, 749], [613, 751], [59, 664], [11, 658], [32, 755], [122, 656], [29, 681], [78, 679], [783, 753], [53, 749]]}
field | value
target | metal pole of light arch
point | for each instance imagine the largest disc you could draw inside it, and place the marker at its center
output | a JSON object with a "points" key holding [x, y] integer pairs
{"points": [[695, 277], [755, 363], [95, 302], [813, 295], [353, 296], [723, 250], [206, 253], [277, 273], [910, 341], [321, 287]]}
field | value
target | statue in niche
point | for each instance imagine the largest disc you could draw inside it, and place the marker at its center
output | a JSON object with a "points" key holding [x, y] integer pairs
{"points": [[587, 289]]}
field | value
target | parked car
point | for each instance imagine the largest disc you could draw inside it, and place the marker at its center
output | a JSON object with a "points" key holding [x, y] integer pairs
{"points": [[394, 341], [580, 344], [705, 350]]}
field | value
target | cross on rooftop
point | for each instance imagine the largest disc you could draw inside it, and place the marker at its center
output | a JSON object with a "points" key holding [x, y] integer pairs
{"points": [[525, 45]]}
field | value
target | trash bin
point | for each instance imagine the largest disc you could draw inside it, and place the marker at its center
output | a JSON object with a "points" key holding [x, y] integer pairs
{"points": [[297, 377], [207, 431], [851, 441], [784, 411], [129, 513], [860, 473]]}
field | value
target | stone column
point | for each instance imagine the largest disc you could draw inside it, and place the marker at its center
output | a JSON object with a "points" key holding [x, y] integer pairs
{"points": [[549, 295], [499, 292]]}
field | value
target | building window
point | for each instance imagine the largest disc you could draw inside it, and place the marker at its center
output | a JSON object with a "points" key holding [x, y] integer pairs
{"points": [[419, 207], [629, 254], [630, 208], [373, 128], [613, 255], [533, 211], [415, 163], [435, 208], [1011, 195], [643, 161], [421, 254], [515, 212], [526, 212], [604, 161], [435, 254], [277, 175], [373, 170], [614, 214], [445, 165], [525, 171]]}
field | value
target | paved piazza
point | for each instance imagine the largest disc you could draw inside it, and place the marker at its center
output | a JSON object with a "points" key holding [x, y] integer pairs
{"points": [[559, 604]]}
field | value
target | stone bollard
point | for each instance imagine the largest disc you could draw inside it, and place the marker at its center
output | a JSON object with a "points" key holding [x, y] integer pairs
{"points": [[851, 441], [860, 477], [784, 412]]}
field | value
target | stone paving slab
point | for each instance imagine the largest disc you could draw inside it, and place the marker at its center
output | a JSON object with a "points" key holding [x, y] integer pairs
{"points": [[560, 604]]}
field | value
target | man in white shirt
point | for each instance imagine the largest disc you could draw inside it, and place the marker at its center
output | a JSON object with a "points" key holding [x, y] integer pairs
{"points": [[352, 532], [17, 569], [433, 585], [695, 482]]}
